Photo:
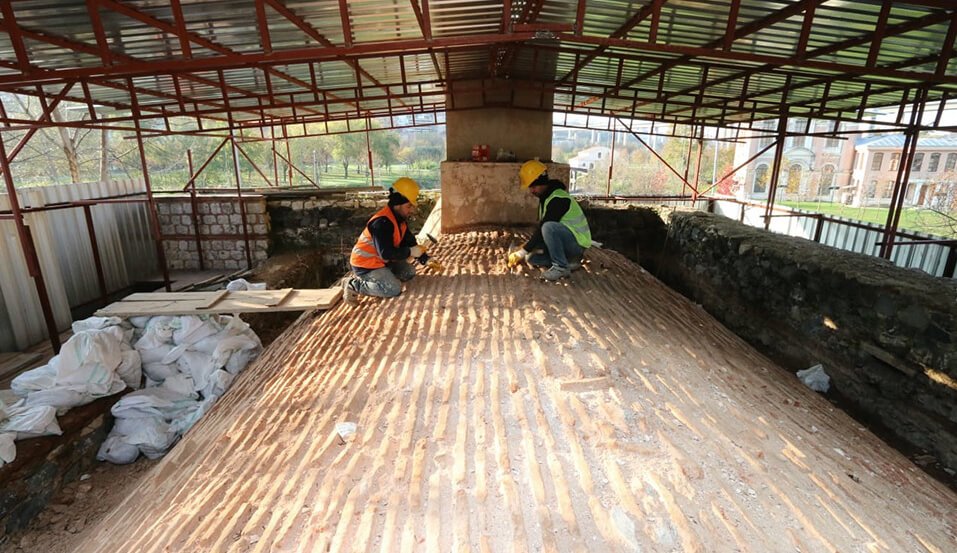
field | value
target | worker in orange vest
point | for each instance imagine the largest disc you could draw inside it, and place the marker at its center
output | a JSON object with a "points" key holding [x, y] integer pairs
{"points": [[379, 258]]}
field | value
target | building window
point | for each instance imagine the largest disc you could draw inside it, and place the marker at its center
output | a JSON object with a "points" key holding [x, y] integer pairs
{"points": [[877, 161], [934, 162], [951, 162], [832, 142], [888, 189], [827, 180], [895, 161], [599, 155], [872, 189], [760, 179], [918, 161], [794, 179]]}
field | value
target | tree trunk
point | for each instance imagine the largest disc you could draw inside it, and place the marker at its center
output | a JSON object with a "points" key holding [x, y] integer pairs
{"points": [[104, 155], [346, 167], [68, 146]]}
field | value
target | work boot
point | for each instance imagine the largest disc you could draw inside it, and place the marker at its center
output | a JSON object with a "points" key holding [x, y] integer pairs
{"points": [[574, 266], [555, 273], [349, 293]]}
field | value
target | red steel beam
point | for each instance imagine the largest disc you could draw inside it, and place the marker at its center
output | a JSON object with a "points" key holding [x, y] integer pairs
{"points": [[881, 28], [346, 24], [16, 38], [154, 216], [29, 251], [298, 55], [192, 179], [621, 31], [47, 115], [103, 47], [185, 47], [253, 163], [947, 49]]}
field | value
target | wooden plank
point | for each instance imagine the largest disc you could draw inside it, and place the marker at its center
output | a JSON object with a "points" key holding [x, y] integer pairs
{"points": [[170, 296], [235, 302], [215, 299], [284, 297]]}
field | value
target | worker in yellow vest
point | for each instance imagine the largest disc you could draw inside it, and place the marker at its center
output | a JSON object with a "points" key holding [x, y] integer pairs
{"points": [[379, 258], [562, 235]]}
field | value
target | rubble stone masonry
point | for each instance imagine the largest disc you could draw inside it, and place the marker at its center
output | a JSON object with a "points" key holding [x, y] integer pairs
{"points": [[887, 336]]}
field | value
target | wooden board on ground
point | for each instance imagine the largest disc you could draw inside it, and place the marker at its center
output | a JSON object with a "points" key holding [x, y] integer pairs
{"points": [[208, 303]]}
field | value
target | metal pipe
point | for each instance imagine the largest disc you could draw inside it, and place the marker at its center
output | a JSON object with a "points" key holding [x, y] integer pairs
{"points": [[195, 212], [154, 216], [97, 262], [775, 168]]}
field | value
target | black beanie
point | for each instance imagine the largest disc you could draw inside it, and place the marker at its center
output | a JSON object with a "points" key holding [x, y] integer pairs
{"points": [[396, 199]]}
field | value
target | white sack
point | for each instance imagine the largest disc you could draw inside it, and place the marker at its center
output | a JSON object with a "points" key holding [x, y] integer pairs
{"points": [[815, 378], [8, 449], [31, 422], [116, 451]]}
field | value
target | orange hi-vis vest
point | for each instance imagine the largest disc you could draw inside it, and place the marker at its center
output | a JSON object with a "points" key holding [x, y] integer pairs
{"points": [[364, 253]]}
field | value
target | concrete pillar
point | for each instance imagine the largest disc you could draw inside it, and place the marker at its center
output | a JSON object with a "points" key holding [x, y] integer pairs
{"points": [[514, 116]]}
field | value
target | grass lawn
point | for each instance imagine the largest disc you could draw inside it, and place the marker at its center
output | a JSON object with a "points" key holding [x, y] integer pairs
{"points": [[913, 219]]}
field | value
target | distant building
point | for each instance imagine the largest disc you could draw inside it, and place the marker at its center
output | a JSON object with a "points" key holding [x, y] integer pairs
{"points": [[586, 160], [853, 169], [933, 173], [812, 166]]}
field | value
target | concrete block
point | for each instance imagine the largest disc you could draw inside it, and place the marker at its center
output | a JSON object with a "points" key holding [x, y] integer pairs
{"points": [[216, 229], [182, 229], [236, 219], [215, 209], [203, 208], [176, 208], [222, 219], [209, 219], [297, 205], [230, 264]]}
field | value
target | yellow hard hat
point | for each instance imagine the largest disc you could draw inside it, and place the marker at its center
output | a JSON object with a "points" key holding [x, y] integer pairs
{"points": [[408, 188], [531, 170]]}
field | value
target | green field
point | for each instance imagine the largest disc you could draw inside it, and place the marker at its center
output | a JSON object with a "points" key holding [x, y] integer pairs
{"points": [[913, 219]]}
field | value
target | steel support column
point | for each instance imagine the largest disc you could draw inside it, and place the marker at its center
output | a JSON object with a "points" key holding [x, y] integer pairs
{"points": [[151, 203], [776, 167], [903, 174], [194, 204], [95, 247], [29, 251]]}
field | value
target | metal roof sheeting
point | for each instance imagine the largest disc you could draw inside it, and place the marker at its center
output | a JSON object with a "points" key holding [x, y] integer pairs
{"points": [[669, 60]]}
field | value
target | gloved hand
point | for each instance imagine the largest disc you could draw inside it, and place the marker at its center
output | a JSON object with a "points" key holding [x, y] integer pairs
{"points": [[416, 251], [423, 259], [516, 257]]}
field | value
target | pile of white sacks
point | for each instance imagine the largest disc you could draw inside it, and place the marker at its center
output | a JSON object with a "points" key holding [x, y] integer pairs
{"points": [[178, 367]]}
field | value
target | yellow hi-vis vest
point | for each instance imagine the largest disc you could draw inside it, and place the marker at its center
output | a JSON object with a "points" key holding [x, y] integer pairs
{"points": [[574, 218]]}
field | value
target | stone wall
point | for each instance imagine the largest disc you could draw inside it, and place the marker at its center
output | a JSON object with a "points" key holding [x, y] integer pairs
{"points": [[887, 336], [636, 232], [488, 193], [220, 230]]}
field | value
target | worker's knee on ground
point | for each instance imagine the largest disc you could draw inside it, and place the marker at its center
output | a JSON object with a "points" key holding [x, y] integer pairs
{"points": [[391, 290], [406, 277]]}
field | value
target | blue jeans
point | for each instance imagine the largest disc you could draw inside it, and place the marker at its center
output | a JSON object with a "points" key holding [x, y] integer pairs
{"points": [[560, 247], [385, 282]]}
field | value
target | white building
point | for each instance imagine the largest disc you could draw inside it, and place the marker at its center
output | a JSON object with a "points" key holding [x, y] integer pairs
{"points": [[586, 160]]}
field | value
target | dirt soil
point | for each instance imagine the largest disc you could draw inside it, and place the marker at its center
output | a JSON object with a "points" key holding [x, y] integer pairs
{"points": [[82, 504], [78, 506], [288, 270]]}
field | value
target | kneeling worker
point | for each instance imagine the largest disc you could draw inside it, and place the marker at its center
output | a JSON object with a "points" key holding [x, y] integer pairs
{"points": [[562, 231], [379, 258]]}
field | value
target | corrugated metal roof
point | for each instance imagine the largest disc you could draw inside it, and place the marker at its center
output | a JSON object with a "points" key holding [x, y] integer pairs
{"points": [[674, 61], [896, 142]]}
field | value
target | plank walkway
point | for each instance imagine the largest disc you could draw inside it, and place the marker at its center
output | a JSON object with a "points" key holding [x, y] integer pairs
{"points": [[499, 413]]}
